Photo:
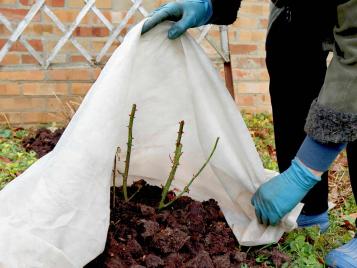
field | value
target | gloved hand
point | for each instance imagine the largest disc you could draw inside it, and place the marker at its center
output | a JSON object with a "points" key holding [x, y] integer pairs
{"points": [[187, 13], [275, 198]]}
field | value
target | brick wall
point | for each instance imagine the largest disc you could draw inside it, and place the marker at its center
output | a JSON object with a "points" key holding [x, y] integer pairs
{"points": [[30, 94]]}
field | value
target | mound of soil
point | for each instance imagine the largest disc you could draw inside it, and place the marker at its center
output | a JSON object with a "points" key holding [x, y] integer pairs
{"points": [[43, 141], [189, 234]]}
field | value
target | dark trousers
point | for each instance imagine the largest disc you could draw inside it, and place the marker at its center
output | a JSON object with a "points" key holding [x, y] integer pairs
{"points": [[297, 66]]}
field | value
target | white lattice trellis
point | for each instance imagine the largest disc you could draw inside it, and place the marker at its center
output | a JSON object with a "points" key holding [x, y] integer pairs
{"points": [[17, 34], [68, 32], [115, 32]]}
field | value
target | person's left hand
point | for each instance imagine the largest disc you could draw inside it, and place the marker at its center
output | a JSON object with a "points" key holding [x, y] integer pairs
{"points": [[187, 13], [277, 197]]}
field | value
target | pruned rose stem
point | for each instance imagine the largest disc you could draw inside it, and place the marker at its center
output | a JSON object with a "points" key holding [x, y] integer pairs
{"points": [[175, 164], [128, 152], [116, 159], [187, 187]]}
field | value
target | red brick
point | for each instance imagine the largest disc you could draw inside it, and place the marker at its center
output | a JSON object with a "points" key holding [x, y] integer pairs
{"points": [[40, 29], [7, 2], [252, 35], [27, 2], [4, 30], [55, 3], [80, 88], [248, 62], [11, 59], [263, 23], [251, 74], [241, 74], [264, 75], [45, 89], [78, 58], [9, 89], [2, 42], [100, 31], [28, 59], [245, 100], [254, 9], [258, 100], [70, 74], [17, 14], [83, 31], [243, 48], [17, 46], [246, 22], [21, 104], [97, 72], [67, 16], [22, 75], [91, 31], [252, 87], [104, 3], [41, 117]]}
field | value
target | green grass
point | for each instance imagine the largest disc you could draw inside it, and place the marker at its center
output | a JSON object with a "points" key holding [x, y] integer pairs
{"points": [[13, 157], [261, 128], [307, 247]]}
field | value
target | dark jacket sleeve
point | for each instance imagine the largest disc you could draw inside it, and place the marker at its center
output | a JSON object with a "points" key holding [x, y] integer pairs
{"points": [[224, 11], [333, 116]]}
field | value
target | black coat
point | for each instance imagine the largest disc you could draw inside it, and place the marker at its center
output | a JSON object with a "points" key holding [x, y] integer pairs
{"points": [[333, 117]]}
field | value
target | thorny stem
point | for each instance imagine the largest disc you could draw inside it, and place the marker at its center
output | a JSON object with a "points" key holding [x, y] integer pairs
{"points": [[128, 153], [187, 187], [116, 159], [175, 164]]}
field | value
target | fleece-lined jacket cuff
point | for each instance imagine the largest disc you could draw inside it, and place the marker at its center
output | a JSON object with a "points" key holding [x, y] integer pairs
{"points": [[326, 125]]}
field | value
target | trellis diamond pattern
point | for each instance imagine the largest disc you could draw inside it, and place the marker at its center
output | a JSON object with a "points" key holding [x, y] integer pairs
{"points": [[115, 32]]}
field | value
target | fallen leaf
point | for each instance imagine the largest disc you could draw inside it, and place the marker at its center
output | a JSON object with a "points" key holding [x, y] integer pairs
{"points": [[348, 225], [5, 159]]}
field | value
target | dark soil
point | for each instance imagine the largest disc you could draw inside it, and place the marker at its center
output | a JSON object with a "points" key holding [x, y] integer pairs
{"points": [[189, 234], [43, 141]]}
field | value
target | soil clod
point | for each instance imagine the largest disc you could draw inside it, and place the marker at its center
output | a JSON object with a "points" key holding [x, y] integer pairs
{"points": [[43, 141], [188, 234]]}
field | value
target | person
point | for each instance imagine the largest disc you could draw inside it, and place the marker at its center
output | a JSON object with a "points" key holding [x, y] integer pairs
{"points": [[287, 35], [331, 122]]}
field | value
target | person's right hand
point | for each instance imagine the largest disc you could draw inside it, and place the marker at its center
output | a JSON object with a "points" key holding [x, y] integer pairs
{"points": [[186, 13], [278, 196]]}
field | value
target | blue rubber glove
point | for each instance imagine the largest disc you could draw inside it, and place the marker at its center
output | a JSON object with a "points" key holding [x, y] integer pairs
{"points": [[277, 197], [187, 13]]}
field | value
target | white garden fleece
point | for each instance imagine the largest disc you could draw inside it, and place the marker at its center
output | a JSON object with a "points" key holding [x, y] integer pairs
{"points": [[56, 214]]}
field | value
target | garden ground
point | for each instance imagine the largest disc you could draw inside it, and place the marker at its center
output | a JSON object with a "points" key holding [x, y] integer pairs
{"points": [[306, 247]]}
